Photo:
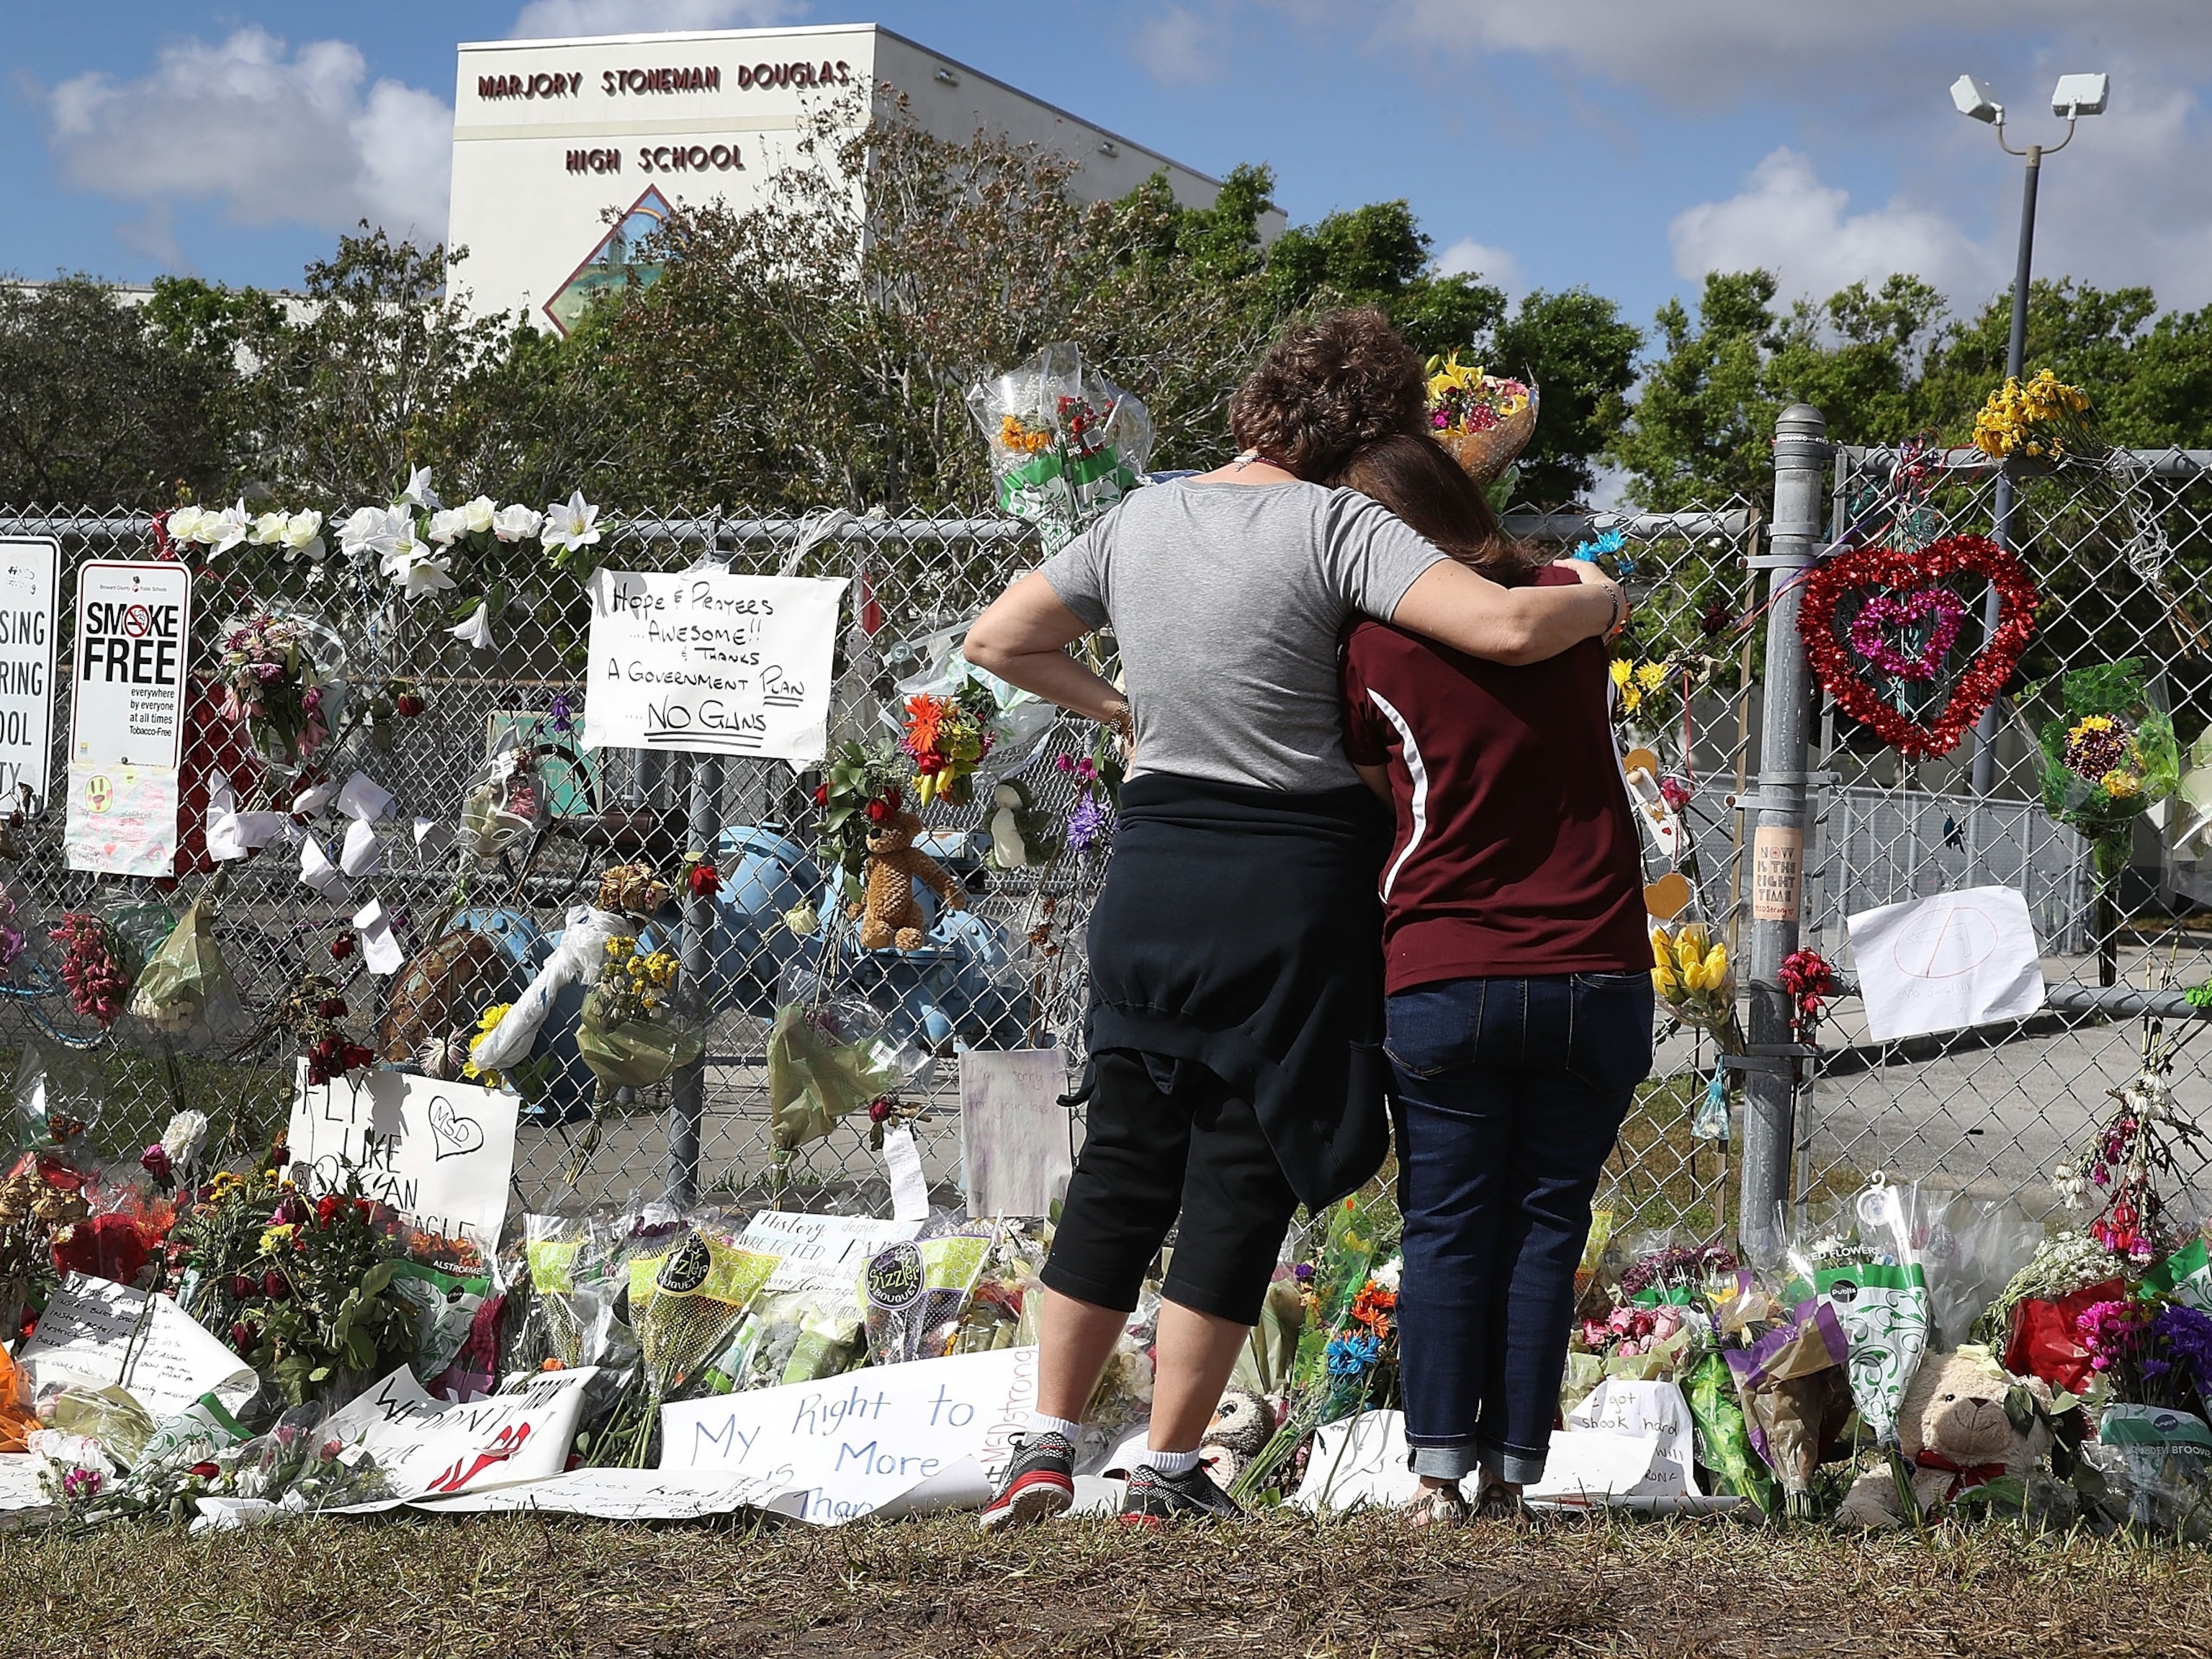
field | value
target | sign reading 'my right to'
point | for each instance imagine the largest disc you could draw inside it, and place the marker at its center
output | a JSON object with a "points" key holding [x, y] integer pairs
{"points": [[133, 636]]}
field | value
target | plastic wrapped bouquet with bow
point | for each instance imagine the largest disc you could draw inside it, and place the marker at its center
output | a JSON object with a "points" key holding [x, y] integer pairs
{"points": [[1066, 443]]}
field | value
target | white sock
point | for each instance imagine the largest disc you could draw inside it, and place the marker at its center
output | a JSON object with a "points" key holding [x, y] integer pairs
{"points": [[1040, 1423], [1170, 1464]]}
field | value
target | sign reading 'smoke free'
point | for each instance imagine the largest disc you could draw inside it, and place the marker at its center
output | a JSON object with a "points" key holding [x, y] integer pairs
{"points": [[711, 662], [133, 636]]}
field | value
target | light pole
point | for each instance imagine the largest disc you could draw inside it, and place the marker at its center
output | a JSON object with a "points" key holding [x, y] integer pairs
{"points": [[2075, 96]]}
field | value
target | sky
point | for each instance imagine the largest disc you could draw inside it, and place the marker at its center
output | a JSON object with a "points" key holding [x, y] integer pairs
{"points": [[1623, 145]]}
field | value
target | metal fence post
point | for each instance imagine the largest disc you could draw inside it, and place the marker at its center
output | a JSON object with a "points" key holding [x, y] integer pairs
{"points": [[1801, 454], [687, 1089]]}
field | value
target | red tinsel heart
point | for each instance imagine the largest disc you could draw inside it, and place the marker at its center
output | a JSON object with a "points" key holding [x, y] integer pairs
{"points": [[1872, 572]]}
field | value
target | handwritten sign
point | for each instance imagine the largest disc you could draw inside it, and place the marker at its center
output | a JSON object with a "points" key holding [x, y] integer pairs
{"points": [[711, 662], [96, 1333], [850, 1445], [443, 1154], [1945, 962], [30, 584], [821, 1252], [428, 1448], [1359, 1463], [20, 1490], [1621, 1406], [607, 1495], [1014, 1143], [121, 820]]}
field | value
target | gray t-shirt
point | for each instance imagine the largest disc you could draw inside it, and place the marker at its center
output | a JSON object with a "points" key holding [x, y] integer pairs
{"points": [[1227, 601]]}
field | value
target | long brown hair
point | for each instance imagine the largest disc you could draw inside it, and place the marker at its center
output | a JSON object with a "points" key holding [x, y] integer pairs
{"points": [[1417, 479]]}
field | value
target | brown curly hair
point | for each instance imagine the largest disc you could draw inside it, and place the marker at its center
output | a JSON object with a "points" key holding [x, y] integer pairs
{"points": [[1325, 388]]}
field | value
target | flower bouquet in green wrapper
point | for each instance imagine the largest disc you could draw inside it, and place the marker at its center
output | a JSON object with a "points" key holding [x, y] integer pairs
{"points": [[1065, 443], [633, 1032], [2109, 755]]}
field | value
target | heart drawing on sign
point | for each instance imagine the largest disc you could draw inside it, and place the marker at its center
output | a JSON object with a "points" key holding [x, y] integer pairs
{"points": [[1877, 622], [456, 1135]]}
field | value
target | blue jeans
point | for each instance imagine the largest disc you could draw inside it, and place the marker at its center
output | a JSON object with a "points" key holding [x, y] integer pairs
{"points": [[1511, 1093]]}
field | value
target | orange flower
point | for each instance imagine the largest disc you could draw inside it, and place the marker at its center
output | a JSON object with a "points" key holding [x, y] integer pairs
{"points": [[1374, 1305], [923, 714]]}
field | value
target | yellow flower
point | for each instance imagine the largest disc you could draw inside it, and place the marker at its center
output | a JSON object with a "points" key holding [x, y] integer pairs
{"points": [[1663, 982], [620, 946], [1662, 956], [1690, 947], [274, 1237], [1621, 670], [488, 1019], [1650, 676], [2120, 786]]}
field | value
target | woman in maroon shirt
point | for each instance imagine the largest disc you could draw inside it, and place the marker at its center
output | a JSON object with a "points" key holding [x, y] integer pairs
{"points": [[1518, 974]]}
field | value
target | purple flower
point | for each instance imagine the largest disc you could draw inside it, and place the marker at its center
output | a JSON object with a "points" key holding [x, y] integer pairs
{"points": [[560, 714], [81, 1483], [2184, 1336], [1090, 825]]}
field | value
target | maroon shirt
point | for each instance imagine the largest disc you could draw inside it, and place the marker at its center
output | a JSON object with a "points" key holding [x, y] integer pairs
{"points": [[1515, 854]]}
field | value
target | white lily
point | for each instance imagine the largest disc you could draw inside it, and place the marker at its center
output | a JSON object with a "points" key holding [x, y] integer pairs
{"points": [[571, 524], [419, 492], [448, 526], [415, 570], [477, 514], [303, 535], [230, 528], [268, 530], [374, 531], [475, 632], [516, 523]]}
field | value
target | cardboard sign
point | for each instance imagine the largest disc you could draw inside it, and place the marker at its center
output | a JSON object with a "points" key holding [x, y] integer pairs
{"points": [[821, 1252], [710, 662], [443, 1154], [30, 589], [134, 628], [98, 1334], [428, 1447], [1945, 962], [1013, 1130], [835, 1450]]}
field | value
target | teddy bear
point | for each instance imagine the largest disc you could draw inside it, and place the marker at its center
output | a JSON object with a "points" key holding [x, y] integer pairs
{"points": [[890, 913], [1243, 1425], [1954, 1430]]}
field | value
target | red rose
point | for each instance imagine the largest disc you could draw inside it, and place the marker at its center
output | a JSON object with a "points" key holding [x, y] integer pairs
{"points": [[410, 704], [106, 1247], [204, 1471], [327, 1208], [241, 1287], [244, 1339], [342, 947], [706, 881], [273, 1286], [877, 812], [821, 794]]}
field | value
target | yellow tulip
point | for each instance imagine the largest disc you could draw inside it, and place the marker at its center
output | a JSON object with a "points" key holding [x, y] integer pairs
{"points": [[1661, 955], [1663, 982]]}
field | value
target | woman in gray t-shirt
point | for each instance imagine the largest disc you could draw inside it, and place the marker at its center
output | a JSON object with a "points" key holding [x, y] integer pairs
{"points": [[1234, 947]]}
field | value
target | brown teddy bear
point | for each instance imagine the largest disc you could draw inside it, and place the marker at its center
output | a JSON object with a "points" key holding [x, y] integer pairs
{"points": [[1952, 1428], [890, 913]]}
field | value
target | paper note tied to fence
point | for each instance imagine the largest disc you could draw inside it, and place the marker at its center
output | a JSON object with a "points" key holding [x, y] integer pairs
{"points": [[1013, 1130], [443, 1154], [1946, 962]]}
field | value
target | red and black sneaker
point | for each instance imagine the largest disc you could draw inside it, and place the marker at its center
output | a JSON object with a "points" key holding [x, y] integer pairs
{"points": [[1038, 1483], [1154, 1499]]}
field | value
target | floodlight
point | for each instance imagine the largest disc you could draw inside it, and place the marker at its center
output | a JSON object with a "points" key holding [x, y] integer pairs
{"points": [[2080, 94], [1973, 99]]}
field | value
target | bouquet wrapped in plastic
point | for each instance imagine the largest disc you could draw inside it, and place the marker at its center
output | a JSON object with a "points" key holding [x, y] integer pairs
{"points": [[185, 994], [634, 1030], [917, 1293], [506, 803], [1485, 420], [1691, 971], [1066, 443], [272, 687], [826, 1059]]}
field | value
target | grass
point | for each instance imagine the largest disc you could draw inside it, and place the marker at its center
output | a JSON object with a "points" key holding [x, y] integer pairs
{"points": [[1355, 1588]]}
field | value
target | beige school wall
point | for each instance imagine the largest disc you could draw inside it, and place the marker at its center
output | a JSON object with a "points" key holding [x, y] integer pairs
{"points": [[550, 135]]}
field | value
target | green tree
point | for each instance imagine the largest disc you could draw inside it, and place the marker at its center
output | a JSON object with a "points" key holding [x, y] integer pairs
{"points": [[1701, 428], [106, 403], [1575, 348]]}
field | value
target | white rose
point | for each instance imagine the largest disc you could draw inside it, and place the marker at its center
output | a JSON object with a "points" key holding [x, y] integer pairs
{"points": [[478, 514], [303, 534], [517, 523], [185, 1138], [448, 524], [268, 530], [185, 523]]}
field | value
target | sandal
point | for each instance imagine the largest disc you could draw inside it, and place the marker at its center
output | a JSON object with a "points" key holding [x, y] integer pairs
{"points": [[1441, 1509], [1497, 1503]]}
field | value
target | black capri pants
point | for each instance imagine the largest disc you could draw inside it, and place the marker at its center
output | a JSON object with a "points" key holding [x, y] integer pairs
{"points": [[1163, 1139]]}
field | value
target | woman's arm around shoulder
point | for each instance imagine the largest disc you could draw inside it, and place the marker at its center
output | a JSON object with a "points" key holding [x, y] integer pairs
{"points": [[1453, 606]]}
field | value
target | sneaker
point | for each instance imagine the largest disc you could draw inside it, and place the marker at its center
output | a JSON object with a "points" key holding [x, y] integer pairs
{"points": [[1153, 1497], [1038, 1483]]}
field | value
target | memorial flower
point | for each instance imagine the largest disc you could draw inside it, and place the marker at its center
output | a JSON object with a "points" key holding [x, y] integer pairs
{"points": [[302, 536], [375, 532], [419, 493], [516, 523], [569, 530], [475, 632], [412, 569]]}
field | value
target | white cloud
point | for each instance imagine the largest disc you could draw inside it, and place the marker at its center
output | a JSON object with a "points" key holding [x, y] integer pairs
{"points": [[553, 20], [1180, 48], [1469, 257], [273, 136], [1786, 221]]}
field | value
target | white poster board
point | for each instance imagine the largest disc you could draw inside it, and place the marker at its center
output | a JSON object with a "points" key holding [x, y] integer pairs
{"points": [[706, 661], [30, 595], [1359, 1463], [428, 1447], [849, 1446], [1014, 1134], [132, 641], [443, 1154], [821, 1252], [1945, 962], [97, 1334], [1621, 1406]]}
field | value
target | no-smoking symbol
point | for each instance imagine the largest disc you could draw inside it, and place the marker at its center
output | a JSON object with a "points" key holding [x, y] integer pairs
{"points": [[138, 622]]}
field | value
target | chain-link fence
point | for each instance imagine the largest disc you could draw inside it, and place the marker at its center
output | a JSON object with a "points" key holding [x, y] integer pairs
{"points": [[2122, 558], [1009, 972]]}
